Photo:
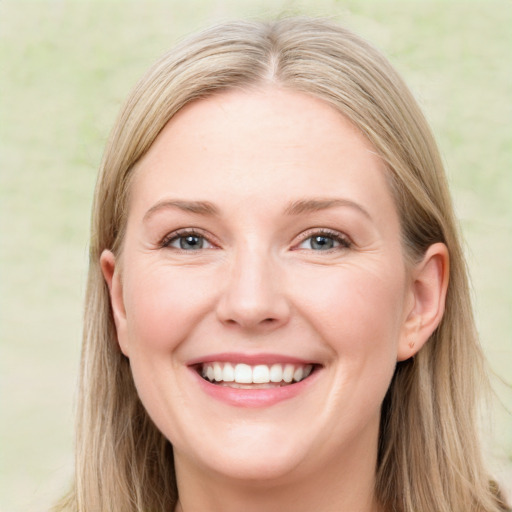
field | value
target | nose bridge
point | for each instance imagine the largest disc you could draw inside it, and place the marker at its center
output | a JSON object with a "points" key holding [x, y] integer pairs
{"points": [[253, 296]]}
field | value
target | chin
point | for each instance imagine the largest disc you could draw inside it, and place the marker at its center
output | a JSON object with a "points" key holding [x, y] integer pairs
{"points": [[255, 455], [256, 470]]}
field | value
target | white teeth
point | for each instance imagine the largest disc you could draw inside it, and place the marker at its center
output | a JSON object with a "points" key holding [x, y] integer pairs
{"points": [[217, 371], [260, 374], [288, 373], [243, 374], [277, 374], [228, 374]]}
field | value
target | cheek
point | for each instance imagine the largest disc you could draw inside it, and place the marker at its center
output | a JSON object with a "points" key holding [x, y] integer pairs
{"points": [[358, 310], [164, 303]]}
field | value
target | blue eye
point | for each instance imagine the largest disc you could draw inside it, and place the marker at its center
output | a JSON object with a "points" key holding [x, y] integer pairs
{"points": [[190, 242], [324, 242], [321, 243], [187, 242]]}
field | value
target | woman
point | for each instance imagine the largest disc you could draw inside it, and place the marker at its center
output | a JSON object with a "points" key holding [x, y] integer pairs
{"points": [[278, 315]]}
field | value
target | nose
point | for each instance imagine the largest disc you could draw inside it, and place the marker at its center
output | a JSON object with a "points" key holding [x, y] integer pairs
{"points": [[253, 297]]}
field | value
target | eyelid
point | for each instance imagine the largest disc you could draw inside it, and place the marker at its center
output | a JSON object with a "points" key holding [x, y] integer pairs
{"points": [[344, 240], [183, 232]]}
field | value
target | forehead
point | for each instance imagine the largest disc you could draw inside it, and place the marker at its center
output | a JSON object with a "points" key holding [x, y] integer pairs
{"points": [[270, 144]]}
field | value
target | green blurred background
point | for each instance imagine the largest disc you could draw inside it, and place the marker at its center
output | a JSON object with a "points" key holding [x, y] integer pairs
{"points": [[66, 66]]}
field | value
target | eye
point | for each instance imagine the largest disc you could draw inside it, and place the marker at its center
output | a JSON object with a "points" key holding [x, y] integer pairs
{"points": [[324, 241], [186, 241]]}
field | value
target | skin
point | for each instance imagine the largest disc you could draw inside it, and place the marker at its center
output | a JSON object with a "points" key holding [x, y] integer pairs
{"points": [[258, 285]]}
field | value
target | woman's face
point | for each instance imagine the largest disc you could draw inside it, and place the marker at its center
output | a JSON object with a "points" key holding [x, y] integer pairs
{"points": [[262, 245]]}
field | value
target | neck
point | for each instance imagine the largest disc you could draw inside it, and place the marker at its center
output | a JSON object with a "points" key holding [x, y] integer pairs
{"points": [[345, 485]]}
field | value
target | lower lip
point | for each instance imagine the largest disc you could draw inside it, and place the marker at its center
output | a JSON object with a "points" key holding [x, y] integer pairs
{"points": [[255, 397]]}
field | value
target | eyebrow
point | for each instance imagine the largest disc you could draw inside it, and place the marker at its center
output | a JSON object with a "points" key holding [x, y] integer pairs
{"points": [[294, 208], [197, 207], [314, 205]]}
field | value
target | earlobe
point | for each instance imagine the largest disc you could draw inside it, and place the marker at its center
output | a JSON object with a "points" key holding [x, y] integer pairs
{"points": [[110, 270], [429, 284]]}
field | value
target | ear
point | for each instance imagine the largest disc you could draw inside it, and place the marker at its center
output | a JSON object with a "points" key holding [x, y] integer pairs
{"points": [[425, 307], [112, 276]]}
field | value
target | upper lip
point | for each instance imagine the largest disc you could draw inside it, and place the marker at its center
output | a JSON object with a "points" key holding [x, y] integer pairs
{"points": [[250, 359]]}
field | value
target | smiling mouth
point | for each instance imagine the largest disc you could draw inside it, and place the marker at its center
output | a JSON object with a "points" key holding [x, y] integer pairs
{"points": [[260, 376]]}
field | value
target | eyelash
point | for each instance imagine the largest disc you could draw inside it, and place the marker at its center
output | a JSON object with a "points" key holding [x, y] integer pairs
{"points": [[343, 241], [182, 233]]}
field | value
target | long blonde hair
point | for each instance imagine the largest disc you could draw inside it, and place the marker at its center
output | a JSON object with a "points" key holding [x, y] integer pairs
{"points": [[429, 454]]}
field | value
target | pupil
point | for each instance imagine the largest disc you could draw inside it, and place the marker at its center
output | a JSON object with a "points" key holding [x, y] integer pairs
{"points": [[322, 242], [191, 242]]}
